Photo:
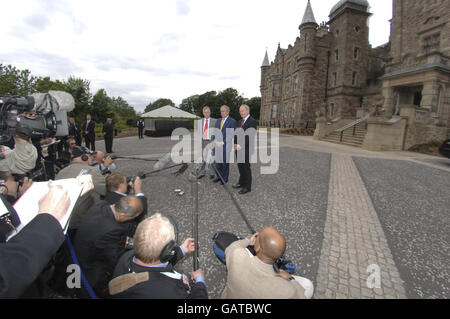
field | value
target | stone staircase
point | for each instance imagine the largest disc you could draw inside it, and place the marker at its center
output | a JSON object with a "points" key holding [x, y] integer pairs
{"points": [[353, 136]]}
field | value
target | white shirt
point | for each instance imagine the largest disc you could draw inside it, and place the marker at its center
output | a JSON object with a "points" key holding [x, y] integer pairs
{"points": [[209, 126], [245, 119]]}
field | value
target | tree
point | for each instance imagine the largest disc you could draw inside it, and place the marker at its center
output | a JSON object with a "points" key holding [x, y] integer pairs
{"points": [[101, 109], [16, 82], [255, 107], [44, 84], [80, 91], [232, 99], [124, 114], [157, 104]]}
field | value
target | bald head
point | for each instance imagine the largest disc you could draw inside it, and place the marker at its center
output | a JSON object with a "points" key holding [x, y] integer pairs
{"points": [[272, 244]]}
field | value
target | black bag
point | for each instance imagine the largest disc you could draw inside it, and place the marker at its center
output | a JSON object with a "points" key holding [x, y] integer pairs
{"points": [[8, 221], [221, 241]]}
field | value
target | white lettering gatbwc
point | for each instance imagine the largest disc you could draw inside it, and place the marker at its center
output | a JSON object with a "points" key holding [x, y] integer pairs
{"points": [[246, 308]]}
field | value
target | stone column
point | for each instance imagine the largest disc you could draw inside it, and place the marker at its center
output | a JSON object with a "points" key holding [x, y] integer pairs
{"points": [[429, 95], [388, 105]]}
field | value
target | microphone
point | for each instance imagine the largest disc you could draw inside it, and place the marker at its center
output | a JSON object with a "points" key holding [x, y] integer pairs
{"points": [[163, 162]]}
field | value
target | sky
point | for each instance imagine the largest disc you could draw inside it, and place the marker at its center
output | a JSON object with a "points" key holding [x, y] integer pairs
{"points": [[143, 50]]}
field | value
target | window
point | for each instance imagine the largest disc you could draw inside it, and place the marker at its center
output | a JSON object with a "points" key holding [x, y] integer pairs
{"points": [[294, 109], [357, 28], [433, 44], [354, 79], [274, 111], [288, 86], [334, 79], [436, 108], [336, 54], [286, 111], [296, 83], [356, 53], [332, 110], [276, 89], [289, 67]]}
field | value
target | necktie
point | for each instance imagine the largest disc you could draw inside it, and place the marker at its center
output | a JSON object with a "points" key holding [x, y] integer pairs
{"points": [[242, 123], [221, 124], [205, 131]]}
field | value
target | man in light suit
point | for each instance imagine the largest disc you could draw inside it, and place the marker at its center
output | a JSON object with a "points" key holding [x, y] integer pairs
{"points": [[257, 277], [207, 125], [224, 143], [243, 152]]}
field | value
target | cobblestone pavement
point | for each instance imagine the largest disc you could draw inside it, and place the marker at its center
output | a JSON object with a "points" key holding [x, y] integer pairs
{"points": [[354, 240], [328, 201]]}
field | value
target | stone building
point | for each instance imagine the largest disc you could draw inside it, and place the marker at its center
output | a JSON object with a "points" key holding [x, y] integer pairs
{"points": [[331, 77]]}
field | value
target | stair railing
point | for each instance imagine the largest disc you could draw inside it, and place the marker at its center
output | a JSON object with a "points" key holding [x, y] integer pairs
{"points": [[352, 125]]}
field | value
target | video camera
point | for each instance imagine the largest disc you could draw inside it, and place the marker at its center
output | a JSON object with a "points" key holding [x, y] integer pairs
{"points": [[38, 116]]}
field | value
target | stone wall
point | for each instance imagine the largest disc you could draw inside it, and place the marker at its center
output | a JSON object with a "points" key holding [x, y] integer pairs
{"points": [[418, 134]]}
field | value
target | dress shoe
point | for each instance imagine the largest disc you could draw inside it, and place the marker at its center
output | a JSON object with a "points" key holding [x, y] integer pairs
{"points": [[216, 180], [212, 176], [237, 186], [244, 191]]}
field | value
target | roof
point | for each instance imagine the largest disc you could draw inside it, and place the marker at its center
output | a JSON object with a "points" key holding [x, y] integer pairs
{"points": [[364, 3], [169, 111], [308, 17], [266, 60]]}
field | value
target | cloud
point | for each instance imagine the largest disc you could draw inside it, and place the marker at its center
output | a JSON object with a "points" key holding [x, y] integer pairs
{"points": [[182, 7]]}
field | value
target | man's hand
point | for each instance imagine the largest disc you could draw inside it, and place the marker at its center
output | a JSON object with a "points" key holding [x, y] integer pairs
{"points": [[237, 147], [137, 185], [253, 239], [108, 161], [285, 275], [56, 203], [197, 273], [189, 245], [25, 186], [220, 144]]}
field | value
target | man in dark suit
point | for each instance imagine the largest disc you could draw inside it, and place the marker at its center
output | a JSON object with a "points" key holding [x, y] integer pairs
{"points": [[147, 272], [89, 132], [224, 141], [102, 238], [141, 124], [74, 131], [247, 127], [108, 134]]}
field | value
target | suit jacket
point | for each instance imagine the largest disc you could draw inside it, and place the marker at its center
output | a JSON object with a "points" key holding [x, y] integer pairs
{"points": [[227, 139], [90, 128], [250, 123], [249, 278], [108, 130], [83, 203], [159, 286], [99, 243], [74, 130], [26, 255]]}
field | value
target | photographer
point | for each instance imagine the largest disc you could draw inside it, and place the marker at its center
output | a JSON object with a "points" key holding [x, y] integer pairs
{"points": [[12, 189], [102, 237], [22, 158], [104, 165], [147, 272]]}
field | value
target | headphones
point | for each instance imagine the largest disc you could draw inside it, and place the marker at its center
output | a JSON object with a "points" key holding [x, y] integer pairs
{"points": [[84, 157], [170, 249]]}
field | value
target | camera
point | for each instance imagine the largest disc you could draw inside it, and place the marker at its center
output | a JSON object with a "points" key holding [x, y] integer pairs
{"points": [[37, 116]]}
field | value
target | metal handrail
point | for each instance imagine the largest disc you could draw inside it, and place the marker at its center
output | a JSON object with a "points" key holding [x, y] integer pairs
{"points": [[364, 118], [354, 124]]}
